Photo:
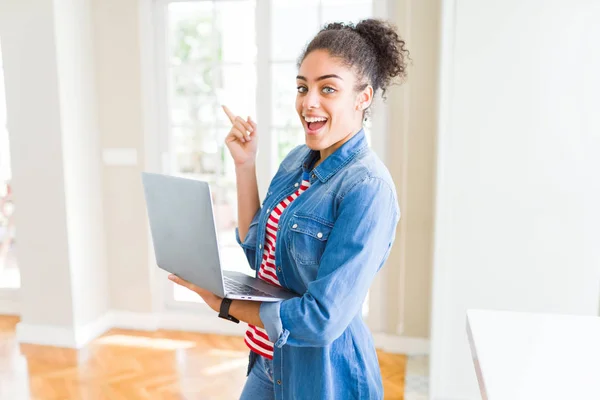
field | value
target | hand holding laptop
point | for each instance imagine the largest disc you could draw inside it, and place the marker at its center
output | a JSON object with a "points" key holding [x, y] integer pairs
{"points": [[211, 299]]}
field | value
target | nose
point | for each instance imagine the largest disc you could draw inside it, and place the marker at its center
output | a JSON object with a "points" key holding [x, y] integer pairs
{"points": [[311, 100]]}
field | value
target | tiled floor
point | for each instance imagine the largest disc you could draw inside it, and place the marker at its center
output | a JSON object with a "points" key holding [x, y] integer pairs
{"points": [[416, 381]]}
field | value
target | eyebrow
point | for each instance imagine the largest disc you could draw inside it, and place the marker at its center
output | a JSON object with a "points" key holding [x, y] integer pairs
{"points": [[321, 77]]}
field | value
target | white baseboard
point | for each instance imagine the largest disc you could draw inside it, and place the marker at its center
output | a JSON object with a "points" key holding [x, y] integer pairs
{"points": [[46, 335], [401, 345], [92, 330], [200, 323], [66, 337], [133, 320], [62, 336], [179, 321]]}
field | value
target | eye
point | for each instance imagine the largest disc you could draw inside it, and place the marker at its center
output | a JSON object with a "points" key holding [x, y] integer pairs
{"points": [[301, 89], [328, 90]]}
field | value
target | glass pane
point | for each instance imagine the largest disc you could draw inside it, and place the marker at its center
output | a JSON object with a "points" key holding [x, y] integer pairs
{"points": [[293, 25], [212, 52], [195, 151], [9, 273], [287, 139], [346, 10], [236, 23], [197, 92], [191, 36], [189, 79], [236, 87], [192, 99], [284, 95], [212, 32]]}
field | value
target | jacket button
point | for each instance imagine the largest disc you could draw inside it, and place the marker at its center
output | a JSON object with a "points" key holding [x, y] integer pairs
{"points": [[313, 176], [268, 210], [278, 382], [278, 269], [295, 226], [319, 235], [260, 246], [296, 185]]}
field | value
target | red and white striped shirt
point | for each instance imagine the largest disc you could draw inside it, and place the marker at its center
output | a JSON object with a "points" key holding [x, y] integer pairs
{"points": [[256, 338]]}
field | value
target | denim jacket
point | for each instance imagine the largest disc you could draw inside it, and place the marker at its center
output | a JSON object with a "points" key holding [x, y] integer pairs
{"points": [[332, 240]]}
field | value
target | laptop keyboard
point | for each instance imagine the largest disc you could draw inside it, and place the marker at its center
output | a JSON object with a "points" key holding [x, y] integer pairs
{"points": [[234, 287]]}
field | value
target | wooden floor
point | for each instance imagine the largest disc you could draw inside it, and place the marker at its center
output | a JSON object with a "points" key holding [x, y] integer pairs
{"points": [[140, 365]]}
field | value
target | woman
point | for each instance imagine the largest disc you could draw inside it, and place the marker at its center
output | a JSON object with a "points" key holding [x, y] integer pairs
{"points": [[325, 227]]}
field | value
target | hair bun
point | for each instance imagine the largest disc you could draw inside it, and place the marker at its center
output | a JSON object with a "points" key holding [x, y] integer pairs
{"points": [[388, 48]]}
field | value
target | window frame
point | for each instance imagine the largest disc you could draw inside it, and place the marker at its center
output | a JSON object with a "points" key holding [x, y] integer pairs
{"points": [[157, 131]]}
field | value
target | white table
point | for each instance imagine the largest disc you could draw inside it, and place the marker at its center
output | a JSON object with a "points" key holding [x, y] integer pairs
{"points": [[523, 356]]}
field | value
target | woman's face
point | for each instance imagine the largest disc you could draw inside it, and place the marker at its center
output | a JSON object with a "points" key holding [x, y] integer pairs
{"points": [[330, 109]]}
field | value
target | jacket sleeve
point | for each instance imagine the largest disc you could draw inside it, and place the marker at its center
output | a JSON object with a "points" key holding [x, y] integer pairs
{"points": [[249, 244], [358, 245]]}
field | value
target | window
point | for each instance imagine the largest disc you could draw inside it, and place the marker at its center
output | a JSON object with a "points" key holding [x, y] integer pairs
{"points": [[285, 49], [9, 273], [241, 53], [211, 59]]}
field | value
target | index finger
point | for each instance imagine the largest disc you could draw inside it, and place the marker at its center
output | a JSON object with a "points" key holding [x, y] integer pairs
{"points": [[230, 115]]}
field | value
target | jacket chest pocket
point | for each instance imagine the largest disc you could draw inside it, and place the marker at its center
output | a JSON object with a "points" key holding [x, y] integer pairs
{"points": [[308, 238]]}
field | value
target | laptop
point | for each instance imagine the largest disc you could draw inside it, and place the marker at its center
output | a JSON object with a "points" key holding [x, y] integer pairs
{"points": [[183, 229]]}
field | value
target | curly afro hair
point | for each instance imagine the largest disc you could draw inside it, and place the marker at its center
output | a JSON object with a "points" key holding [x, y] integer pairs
{"points": [[372, 46]]}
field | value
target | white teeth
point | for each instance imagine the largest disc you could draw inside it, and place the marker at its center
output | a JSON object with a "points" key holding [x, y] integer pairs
{"points": [[314, 119]]}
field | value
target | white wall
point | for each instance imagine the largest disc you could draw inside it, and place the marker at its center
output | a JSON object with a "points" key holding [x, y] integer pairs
{"points": [[117, 42], [518, 222], [36, 148], [51, 101], [411, 143], [81, 141], [5, 173]]}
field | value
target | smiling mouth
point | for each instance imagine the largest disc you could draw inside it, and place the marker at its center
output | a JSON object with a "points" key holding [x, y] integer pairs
{"points": [[315, 124]]}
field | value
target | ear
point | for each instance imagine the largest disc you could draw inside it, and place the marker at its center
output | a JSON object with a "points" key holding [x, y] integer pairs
{"points": [[364, 98]]}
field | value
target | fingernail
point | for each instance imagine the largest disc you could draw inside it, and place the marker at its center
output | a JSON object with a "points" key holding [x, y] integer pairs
{"points": [[172, 277]]}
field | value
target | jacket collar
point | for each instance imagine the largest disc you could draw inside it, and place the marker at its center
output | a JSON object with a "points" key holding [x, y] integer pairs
{"points": [[338, 159]]}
